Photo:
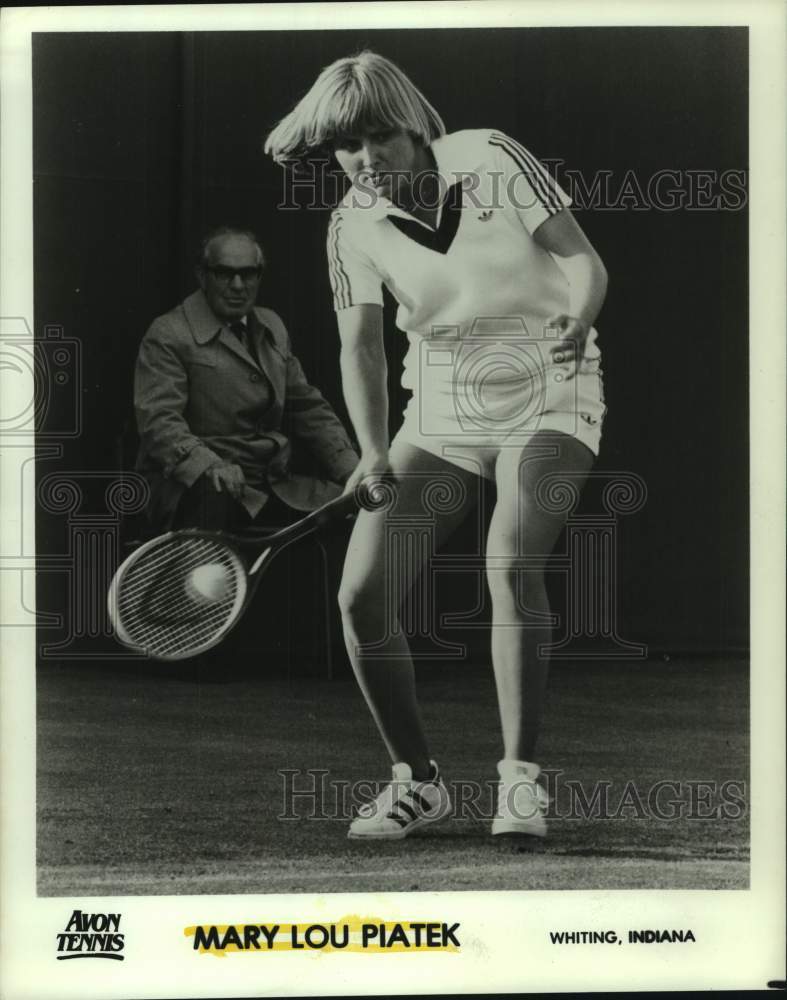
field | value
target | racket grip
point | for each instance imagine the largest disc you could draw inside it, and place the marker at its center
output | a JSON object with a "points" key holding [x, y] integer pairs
{"points": [[342, 506], [347, 503], [379, 496]]}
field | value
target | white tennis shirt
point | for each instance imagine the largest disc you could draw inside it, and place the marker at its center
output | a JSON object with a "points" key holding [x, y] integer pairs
{"points": [[478, 278]]}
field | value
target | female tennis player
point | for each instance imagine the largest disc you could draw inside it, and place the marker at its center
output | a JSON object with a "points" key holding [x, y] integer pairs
{"points": [[497, 290]]}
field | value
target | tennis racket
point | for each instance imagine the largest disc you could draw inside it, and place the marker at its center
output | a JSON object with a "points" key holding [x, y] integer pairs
{"points": [[181, 593]]}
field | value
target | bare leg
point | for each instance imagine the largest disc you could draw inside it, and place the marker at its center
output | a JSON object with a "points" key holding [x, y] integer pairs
{"points": [[377, 578], [521, 529]]}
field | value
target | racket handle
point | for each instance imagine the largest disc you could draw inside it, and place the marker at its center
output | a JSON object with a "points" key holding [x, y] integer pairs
{"points": [[343, 505], [380, 496]]}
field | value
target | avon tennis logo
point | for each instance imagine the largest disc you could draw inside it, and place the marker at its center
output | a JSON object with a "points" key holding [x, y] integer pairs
{"points": [[91, 935]]}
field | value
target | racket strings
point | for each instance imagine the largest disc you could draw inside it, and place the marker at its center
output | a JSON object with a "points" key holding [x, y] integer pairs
{"points": [[163, 611], [164, 575]]}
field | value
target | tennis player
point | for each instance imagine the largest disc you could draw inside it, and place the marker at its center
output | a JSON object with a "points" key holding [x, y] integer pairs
{"points": [[497, 290]]}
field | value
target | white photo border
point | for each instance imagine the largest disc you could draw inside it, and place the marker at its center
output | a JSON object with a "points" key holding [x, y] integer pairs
{"points": [[504, 948]]}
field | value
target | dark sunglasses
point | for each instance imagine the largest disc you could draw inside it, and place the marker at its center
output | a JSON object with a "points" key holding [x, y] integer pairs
{"points": [[224, 275]]}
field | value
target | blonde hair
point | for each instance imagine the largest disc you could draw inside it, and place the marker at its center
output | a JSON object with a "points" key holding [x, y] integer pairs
{"points": [[353, 96]]}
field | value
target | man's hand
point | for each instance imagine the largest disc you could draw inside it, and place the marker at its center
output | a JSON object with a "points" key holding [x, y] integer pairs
{"points": [[227, 477], [571, 348]]}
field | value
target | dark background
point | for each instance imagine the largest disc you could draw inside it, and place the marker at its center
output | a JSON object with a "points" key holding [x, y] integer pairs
{"points": [[142, 141]]}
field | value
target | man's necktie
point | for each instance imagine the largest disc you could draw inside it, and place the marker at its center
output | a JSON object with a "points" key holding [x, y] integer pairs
{"points": [[242, 333]]}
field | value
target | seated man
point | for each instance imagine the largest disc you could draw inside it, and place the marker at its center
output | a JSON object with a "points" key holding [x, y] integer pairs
{"points": [[219, 397]]}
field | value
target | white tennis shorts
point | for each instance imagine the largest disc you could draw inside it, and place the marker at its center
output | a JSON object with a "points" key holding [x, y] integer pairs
{"points": [[468, 422]]}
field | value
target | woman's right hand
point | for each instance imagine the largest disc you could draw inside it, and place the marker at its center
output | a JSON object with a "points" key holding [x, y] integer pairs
{"points": [[373, 468]]}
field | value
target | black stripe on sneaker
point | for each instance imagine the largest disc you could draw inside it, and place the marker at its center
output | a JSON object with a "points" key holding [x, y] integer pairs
{"points": [[401, 820], [424, 804], [407, 808]]}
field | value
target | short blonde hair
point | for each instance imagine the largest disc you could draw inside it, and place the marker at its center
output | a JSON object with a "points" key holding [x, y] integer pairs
{"points": [[353, 96]]}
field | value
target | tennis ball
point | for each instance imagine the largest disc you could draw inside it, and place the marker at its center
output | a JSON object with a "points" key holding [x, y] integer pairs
{"points": [[209, 584]]}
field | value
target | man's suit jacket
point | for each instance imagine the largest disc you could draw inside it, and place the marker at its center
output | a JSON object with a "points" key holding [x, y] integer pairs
{"points": [[201, 398]]}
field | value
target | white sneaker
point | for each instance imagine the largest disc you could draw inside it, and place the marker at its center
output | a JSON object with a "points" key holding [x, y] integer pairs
{"points": [[402, 807], [521, 801]]}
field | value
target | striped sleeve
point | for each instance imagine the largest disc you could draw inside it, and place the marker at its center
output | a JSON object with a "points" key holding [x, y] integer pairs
{"points": [[528, 185], [354, 278]]}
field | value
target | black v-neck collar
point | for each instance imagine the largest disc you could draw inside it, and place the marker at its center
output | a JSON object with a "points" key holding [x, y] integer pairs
{"points": [[439, 239]]}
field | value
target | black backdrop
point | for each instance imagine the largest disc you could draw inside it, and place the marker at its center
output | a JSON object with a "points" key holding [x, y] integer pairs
{"points": [[141, 141]]}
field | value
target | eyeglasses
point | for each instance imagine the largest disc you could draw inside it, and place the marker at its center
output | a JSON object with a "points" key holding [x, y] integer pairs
{"points": [[224, 275]]}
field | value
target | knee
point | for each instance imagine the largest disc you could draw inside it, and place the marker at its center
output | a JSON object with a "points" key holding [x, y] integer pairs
{"points": [[360, 603], [510, 580]]}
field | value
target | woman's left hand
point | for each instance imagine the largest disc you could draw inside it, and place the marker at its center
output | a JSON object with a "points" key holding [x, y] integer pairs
{"points": [[571, 348]]}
